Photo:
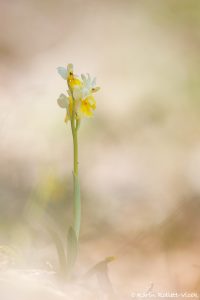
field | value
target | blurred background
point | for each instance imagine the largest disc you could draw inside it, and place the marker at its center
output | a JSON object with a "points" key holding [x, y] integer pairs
{"points": [[139, 156]]}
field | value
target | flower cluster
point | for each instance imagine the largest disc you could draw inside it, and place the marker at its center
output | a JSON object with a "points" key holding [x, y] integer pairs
{"points": [[80, 101]]}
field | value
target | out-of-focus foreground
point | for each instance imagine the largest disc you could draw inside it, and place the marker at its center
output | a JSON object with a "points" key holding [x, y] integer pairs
{"points": [[139, 155]]}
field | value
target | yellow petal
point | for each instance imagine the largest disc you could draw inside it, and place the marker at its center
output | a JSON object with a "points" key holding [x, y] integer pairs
{"points": [[66, 118], [73, 81], [86, 108], [90, 99]]}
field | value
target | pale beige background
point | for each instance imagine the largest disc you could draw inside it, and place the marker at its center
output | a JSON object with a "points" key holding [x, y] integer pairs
{"points": [[139, 155]]}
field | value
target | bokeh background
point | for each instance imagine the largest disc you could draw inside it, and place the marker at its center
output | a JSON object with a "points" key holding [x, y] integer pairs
{"points": [[139, 155]]}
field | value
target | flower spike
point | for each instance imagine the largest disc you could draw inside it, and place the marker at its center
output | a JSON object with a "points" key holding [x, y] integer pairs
{"points": [[80, 94]]}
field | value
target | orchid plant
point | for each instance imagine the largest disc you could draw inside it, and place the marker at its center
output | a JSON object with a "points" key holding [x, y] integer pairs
{"points": [[78, 103]]}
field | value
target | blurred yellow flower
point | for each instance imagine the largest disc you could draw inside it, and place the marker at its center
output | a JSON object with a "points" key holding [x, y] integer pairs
{"points": [[87, 106], [68, 74], [80, 97]]}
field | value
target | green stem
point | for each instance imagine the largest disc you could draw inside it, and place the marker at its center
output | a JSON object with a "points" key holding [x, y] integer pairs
{"points": [[75, 144], [76, 192], [74, 230]]}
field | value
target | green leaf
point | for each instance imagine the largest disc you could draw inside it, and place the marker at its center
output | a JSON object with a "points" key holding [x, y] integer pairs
{"points": [[72, 249], [77, 206]]}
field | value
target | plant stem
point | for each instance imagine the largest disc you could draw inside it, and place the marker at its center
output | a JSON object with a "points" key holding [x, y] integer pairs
{"points": [[75, 144], [76, 192]]}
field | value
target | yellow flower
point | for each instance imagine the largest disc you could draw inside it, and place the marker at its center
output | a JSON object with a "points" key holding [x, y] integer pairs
{"points": [[80, 94], [68, 74], [87, 106], [83, 108], [72, 80]]}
